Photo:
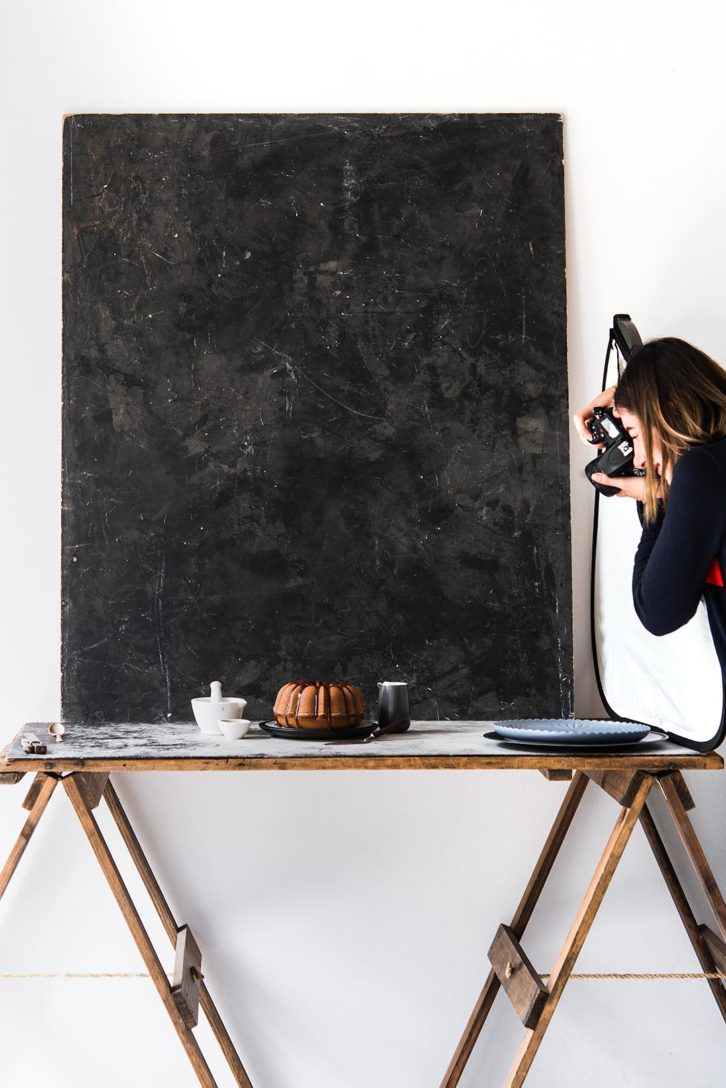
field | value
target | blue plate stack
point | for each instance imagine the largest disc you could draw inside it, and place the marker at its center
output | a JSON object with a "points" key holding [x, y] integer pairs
{"points": [[573, 732]]}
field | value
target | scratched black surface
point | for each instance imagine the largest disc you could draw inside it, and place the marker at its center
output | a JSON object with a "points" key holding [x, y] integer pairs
{"points": [[315, 411]]}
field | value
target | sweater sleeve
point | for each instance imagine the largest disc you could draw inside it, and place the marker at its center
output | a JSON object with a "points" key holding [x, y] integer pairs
{"points": [[675, 553]]}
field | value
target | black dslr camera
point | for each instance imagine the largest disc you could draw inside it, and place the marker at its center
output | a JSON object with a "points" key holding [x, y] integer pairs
{"points": [[616, 458]]}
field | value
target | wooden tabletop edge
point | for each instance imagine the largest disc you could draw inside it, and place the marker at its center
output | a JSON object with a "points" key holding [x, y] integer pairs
{"points": [[489, 761]]}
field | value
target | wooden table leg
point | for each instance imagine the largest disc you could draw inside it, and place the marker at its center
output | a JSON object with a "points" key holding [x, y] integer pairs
{"points": [[172, 929], [673, 794], [38, 797], [77, 795], [580, 928], [521, 917], [683, 907]]}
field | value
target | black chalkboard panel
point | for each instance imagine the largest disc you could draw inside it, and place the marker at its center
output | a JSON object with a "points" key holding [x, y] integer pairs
{"points": [[315, 411]]}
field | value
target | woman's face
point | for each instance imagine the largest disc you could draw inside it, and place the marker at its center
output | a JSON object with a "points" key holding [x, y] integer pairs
{"points": [[632, 425]]}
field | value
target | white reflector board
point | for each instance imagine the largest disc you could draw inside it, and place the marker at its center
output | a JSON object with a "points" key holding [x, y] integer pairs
{"points": [[672, 681]]}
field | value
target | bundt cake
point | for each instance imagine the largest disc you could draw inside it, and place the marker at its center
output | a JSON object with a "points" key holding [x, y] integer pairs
{"points": [[307, 705]]}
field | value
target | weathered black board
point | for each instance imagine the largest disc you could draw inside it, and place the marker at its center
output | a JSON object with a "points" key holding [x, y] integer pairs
{"points": [[315, 411]]}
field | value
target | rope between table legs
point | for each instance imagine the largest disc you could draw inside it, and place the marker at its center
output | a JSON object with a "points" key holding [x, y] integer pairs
{"points": [[75, 974], [653, 975], [648, 975]]}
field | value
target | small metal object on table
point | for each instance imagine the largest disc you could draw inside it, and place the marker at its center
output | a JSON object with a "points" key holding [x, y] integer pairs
{"points": [[90, 753], [32, 744]]}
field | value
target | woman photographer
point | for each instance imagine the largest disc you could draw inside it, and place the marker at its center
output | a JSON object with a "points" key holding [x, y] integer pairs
{"points": [[671, 399]]}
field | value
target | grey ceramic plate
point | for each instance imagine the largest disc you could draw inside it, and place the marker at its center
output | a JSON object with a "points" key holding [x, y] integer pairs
{"points": [[653, 738], [580, 731]]}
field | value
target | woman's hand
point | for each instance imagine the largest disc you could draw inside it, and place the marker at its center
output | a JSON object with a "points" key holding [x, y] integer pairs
{"points": [[629, 487], [602, 400]]}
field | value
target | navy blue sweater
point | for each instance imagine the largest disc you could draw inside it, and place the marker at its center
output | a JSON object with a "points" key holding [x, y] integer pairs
{"points": [[682, 557]]}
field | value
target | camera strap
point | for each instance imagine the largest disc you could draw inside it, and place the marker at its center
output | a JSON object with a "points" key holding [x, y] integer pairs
{"points": [[595, 520], [620, 362]]}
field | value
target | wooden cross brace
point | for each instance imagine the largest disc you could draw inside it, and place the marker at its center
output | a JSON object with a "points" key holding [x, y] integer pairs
{"points": [[511, 970], [523, 986], [182, 998], [187, 977]]}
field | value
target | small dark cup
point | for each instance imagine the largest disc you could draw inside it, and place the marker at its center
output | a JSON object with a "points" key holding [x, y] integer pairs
{"points": [[393, 705]]}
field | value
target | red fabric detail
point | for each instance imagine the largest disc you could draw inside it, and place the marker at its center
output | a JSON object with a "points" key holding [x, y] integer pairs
{"points": [[714, 576]]}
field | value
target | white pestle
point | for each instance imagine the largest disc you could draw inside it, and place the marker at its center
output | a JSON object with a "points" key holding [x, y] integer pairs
{"points": [[210, 709]]}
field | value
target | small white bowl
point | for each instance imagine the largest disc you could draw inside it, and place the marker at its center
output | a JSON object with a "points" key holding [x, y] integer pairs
{"points": [[234, 728], [208, 713]]}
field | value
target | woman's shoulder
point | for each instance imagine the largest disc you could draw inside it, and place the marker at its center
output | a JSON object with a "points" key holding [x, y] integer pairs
{"points": [[704, 463]]}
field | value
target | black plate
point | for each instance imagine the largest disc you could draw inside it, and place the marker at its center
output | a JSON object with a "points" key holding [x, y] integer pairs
{"points": [[289, 731]]}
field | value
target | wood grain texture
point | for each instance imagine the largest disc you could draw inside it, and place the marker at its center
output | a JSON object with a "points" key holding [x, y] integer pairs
{"points": [[180, 746], [139, 858], [621, 785], [91, 786], [170, 927], [523, 986], [522, 915], [138, 931], [11, 778], [35, 787], [187, 977], [694, 850], [581, 925], [706, 952], [41, 797], [680, 787], [717, 948]]}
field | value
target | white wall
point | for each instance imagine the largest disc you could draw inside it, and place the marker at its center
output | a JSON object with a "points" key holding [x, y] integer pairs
{"points": [[345, 919]]}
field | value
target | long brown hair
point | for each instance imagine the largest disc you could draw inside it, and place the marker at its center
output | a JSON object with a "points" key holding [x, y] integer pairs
{"points": [[679, 393]]}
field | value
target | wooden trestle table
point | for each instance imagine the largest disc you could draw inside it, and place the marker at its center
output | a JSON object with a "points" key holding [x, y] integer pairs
{"points": [[89, 754]]}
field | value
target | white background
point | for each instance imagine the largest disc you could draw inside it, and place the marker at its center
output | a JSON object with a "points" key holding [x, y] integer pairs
{"points": [[345, 919]]}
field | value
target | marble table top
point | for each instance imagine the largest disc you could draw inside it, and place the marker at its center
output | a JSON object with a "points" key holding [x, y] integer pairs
{"points": [[426, 745]]}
